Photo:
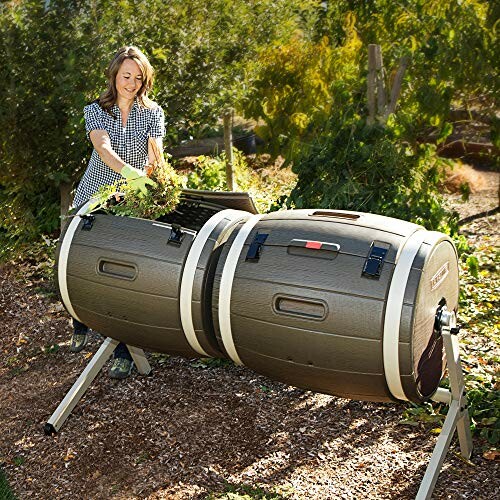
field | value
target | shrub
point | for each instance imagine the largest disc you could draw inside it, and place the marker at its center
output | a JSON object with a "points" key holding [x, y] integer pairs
{"points": [[264, 186], [371, 168]]}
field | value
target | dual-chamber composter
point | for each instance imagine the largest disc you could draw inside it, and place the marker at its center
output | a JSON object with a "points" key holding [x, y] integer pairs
{"points": [[343, 303]]}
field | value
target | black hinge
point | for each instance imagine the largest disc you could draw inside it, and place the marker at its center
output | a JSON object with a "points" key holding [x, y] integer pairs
{"points": [[88, 222], [375, 260], [256, 247], [176, 235]]}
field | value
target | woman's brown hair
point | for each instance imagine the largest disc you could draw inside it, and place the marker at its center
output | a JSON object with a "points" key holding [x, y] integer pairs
{"points": [[108, 98]]}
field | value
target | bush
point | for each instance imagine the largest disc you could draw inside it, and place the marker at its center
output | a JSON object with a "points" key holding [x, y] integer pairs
{"points": [[265, 184], [371, 168]]}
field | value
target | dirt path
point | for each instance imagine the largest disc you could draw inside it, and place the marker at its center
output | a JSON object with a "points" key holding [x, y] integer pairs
{"points": [[189, 429]]}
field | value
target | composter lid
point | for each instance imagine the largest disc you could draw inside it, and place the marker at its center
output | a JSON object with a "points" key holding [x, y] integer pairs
{"points": [[332, 232], [228, 199]]}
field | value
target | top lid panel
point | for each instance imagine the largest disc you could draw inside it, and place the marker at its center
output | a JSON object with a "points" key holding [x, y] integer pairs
{"points": [[227, 199]]}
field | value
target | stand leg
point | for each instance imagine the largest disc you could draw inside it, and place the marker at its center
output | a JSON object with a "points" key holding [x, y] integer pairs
{"points": [[76, 392], [439, 454], [458, 391], [140, 360], [464, 435], [457, 417]]}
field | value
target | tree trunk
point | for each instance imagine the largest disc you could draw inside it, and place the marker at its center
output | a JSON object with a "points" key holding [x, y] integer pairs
{"points": [[228, 145], [396, 87], [66, 200], [381, 93], [372, 77], [377, 87]]}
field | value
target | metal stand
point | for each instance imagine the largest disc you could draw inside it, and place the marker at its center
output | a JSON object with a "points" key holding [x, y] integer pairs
{"points": [[76, 392], [458, 415]]}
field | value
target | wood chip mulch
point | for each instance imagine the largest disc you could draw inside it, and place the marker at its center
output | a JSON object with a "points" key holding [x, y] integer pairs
{"points": [[188, 430]]}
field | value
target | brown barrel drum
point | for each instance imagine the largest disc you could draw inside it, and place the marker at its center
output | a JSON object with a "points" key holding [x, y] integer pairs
{"points": [[337, 302], [142, 281]]}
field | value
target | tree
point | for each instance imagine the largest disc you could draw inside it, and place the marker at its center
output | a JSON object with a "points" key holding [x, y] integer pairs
{"points": [[388, 167], [450, 46], [53, 56]]}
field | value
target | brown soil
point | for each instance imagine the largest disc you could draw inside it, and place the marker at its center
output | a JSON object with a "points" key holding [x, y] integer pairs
{"points": [[187, 431]]}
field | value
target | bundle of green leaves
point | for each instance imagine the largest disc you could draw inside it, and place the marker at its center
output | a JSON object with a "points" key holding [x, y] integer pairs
{"points": [[121, 198]]}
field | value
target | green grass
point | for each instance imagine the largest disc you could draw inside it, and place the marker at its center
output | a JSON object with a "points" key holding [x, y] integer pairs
{"points": [[5, 491], [246, 492]]}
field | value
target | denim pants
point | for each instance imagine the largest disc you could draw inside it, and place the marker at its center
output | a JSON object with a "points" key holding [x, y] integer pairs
{"points": [[121, 350]]}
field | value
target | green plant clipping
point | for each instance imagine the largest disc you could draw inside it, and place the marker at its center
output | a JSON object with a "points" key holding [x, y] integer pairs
{"points": [[121, 199]]}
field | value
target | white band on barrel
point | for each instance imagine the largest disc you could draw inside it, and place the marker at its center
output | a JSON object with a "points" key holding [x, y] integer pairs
{"points": [[189, 271], [226, 286], [62, 265], [393, 312], [395, 299]]}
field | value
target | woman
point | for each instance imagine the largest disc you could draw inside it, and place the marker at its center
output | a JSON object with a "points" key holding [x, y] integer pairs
{"points": [[123, 126]]}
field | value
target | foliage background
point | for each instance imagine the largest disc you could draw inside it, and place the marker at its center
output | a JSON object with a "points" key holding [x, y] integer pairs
{"points": [[298, 68], [53, 56]]}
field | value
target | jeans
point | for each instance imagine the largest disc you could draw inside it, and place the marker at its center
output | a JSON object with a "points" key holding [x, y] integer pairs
{"points": [[121, 350]]}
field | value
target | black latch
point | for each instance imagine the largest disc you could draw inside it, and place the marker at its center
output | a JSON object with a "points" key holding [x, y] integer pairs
{"points": [[438, 325], [176, 235], [88, 222], [256, 247], [375, 260]]}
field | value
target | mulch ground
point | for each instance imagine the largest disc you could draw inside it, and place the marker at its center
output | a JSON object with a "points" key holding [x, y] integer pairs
{"points": [[190, 430]]}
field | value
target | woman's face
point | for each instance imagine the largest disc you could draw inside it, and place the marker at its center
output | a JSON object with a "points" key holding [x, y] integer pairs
{"points": [[128, 80]]}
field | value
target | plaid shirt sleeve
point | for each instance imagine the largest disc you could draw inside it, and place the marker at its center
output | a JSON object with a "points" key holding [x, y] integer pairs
{"points": [[93, 118], [157, 124]]}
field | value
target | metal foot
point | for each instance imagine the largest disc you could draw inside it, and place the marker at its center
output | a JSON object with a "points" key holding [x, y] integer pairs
{"points": [[76, 392], [140, 361], [458, 414], [49, 430]]}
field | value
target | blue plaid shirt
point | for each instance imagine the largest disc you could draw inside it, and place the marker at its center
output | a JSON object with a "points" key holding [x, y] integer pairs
{"points": [[130, 143]]}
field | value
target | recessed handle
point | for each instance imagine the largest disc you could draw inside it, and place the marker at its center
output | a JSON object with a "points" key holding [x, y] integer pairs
{"points": [[117, 269], [300, 306], [335, 215]]}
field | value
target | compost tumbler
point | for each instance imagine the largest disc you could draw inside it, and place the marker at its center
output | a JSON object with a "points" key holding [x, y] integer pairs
{"points": [[142, 281], [337, 302]]}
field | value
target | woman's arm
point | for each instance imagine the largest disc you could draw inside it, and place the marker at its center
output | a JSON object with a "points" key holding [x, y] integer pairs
{"points": [[102, 144]]}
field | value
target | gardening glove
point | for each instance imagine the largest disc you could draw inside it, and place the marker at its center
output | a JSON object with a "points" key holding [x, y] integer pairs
{"points": [[137, 179]]}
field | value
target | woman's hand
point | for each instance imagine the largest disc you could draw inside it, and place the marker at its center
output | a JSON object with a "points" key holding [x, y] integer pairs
{"points": [[137, 179]]}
